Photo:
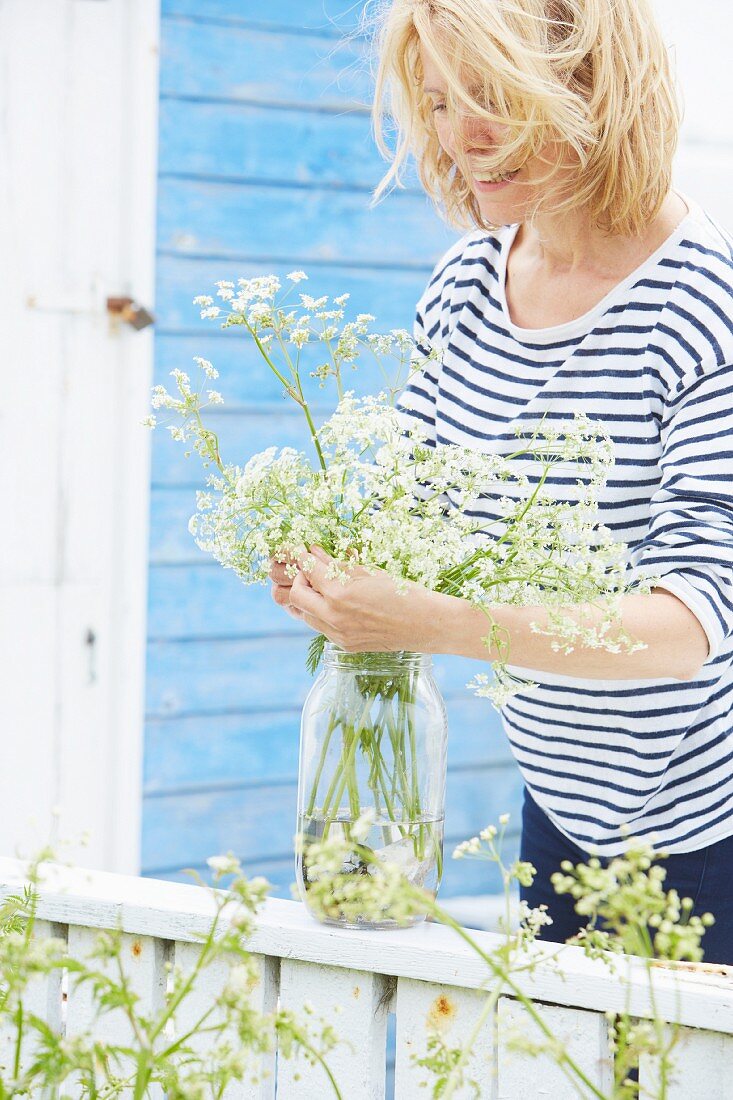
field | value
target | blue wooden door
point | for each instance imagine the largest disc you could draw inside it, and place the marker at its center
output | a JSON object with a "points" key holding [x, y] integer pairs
{"points": [[266, 164]]}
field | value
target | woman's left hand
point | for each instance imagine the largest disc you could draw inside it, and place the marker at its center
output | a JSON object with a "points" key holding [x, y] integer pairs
{"points": [[365, 612]]}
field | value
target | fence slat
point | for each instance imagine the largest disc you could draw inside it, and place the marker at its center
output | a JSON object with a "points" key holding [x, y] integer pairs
{"points": [[424, 1007], [701, 1067], [523, 1076], [42, 997], [143, 961], [209, 984], [355, 1003]]}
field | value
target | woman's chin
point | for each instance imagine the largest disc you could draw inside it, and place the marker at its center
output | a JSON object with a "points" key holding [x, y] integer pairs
{"points": [[500, 208]]}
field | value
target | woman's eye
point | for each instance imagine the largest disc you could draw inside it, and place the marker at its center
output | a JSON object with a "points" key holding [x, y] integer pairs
{"points": [[438, 107]]}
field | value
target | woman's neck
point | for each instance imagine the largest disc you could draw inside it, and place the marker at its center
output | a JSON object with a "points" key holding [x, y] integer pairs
{"points": [[559, 268], [568, 243]]}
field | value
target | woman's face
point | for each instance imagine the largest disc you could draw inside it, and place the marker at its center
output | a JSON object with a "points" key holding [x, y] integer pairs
{"points": [[502, 199]]}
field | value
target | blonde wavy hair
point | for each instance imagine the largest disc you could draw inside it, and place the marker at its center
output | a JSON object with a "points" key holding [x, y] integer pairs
{"points": [[593, 76]]}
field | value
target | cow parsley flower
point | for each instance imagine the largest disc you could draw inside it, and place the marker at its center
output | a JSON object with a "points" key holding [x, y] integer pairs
{"points": [[382, 495]]}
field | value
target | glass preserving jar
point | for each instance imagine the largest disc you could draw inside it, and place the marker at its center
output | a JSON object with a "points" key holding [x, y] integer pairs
{"points": [[373, 748]]}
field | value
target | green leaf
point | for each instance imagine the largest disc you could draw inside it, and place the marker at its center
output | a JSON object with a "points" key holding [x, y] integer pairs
{"points": [[315, 653]]}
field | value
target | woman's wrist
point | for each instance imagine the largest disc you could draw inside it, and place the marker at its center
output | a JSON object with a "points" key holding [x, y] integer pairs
{"points": [[454, 626]]}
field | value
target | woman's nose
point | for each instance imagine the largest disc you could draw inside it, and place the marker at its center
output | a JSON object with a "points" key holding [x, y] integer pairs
{"points": [[466, 133]]}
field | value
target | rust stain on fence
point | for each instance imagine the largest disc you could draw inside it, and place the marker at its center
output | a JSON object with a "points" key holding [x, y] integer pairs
{"points": [[441, 1013]]}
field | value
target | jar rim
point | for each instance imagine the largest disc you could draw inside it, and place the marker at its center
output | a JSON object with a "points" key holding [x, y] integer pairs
{"points": [[333, 655]]}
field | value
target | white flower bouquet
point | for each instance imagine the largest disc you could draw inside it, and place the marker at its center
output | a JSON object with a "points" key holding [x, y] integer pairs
{"points": [[378, 494]]}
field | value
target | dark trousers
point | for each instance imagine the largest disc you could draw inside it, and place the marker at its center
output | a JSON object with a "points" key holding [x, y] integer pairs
{"points": [[706, 876]]}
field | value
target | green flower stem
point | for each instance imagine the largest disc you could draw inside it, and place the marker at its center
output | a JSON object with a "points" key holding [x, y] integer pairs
{"points": [[566, 1063], [314, 435], [437, 848], [261, 348], [458, 573], [196, 1029], [454, 1076], [322, 1063], [142, 1077], [406, 705], [390, 805], [344, 775], [19, 1039], [143, 1042], [187, 986], [399, 770], [658, 1025], [341, 774], [353, 780], [333, 724], [297, 396]]}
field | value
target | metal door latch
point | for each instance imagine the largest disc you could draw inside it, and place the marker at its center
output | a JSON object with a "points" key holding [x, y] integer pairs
{"points": [[130, 311]]}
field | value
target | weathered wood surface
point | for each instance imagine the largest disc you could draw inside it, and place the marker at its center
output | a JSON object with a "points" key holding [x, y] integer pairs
{"points": [[327, 17], [209, 984], [583, 1034], [258, 817], [700, 1060], [424, 1008], [214, 674], [427, 976], [355, 1003], [43, 997]]}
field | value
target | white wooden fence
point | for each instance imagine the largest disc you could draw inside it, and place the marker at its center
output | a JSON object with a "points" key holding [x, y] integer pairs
{"points": [[427, 976]]}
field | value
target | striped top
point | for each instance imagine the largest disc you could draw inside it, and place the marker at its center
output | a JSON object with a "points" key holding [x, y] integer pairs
{"points": [[654, 362]]}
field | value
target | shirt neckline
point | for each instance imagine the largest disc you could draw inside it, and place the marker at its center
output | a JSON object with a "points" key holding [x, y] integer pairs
{"points": [[581, 325]]}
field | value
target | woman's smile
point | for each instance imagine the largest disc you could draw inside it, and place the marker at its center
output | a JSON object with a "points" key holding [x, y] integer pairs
{"points": [[494, 183]]}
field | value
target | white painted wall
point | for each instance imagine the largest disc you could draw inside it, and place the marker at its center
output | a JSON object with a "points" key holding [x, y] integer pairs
{"points": [[700, 38], [78, 132]]}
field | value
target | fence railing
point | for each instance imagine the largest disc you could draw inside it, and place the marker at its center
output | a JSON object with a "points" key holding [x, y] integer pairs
{"points": [[426, 976]]}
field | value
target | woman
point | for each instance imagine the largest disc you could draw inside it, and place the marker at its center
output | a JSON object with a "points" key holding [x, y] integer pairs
{"points": [[586, 283]]}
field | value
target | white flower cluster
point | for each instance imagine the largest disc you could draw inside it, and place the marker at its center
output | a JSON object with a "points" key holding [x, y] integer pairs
{"points": [[382, 496], [261, 307]]}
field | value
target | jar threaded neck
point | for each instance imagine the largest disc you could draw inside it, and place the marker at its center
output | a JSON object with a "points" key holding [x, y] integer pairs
{"points": [[399, 661]]}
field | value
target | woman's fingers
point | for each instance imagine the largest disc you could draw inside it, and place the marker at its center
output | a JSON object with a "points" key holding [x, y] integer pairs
{"points": [[281, 594], [279, 574], [298, 596], [312, 605]]}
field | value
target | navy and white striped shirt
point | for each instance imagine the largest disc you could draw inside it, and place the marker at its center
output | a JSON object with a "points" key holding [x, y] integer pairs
{"points": [[654, 362]]}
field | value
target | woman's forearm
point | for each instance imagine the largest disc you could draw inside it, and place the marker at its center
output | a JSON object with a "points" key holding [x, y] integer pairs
{"points": [[367, 615], [676, 645]]}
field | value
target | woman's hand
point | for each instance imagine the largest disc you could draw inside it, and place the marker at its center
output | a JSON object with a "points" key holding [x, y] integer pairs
{"points": [[282, 583], [365, 613]]}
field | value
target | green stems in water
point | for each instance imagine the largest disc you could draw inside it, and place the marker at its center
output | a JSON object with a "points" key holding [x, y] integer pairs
{"points": [[369, 757]]}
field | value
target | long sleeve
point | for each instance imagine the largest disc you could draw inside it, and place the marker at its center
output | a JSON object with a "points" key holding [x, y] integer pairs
{"points": [[689, 544]]}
